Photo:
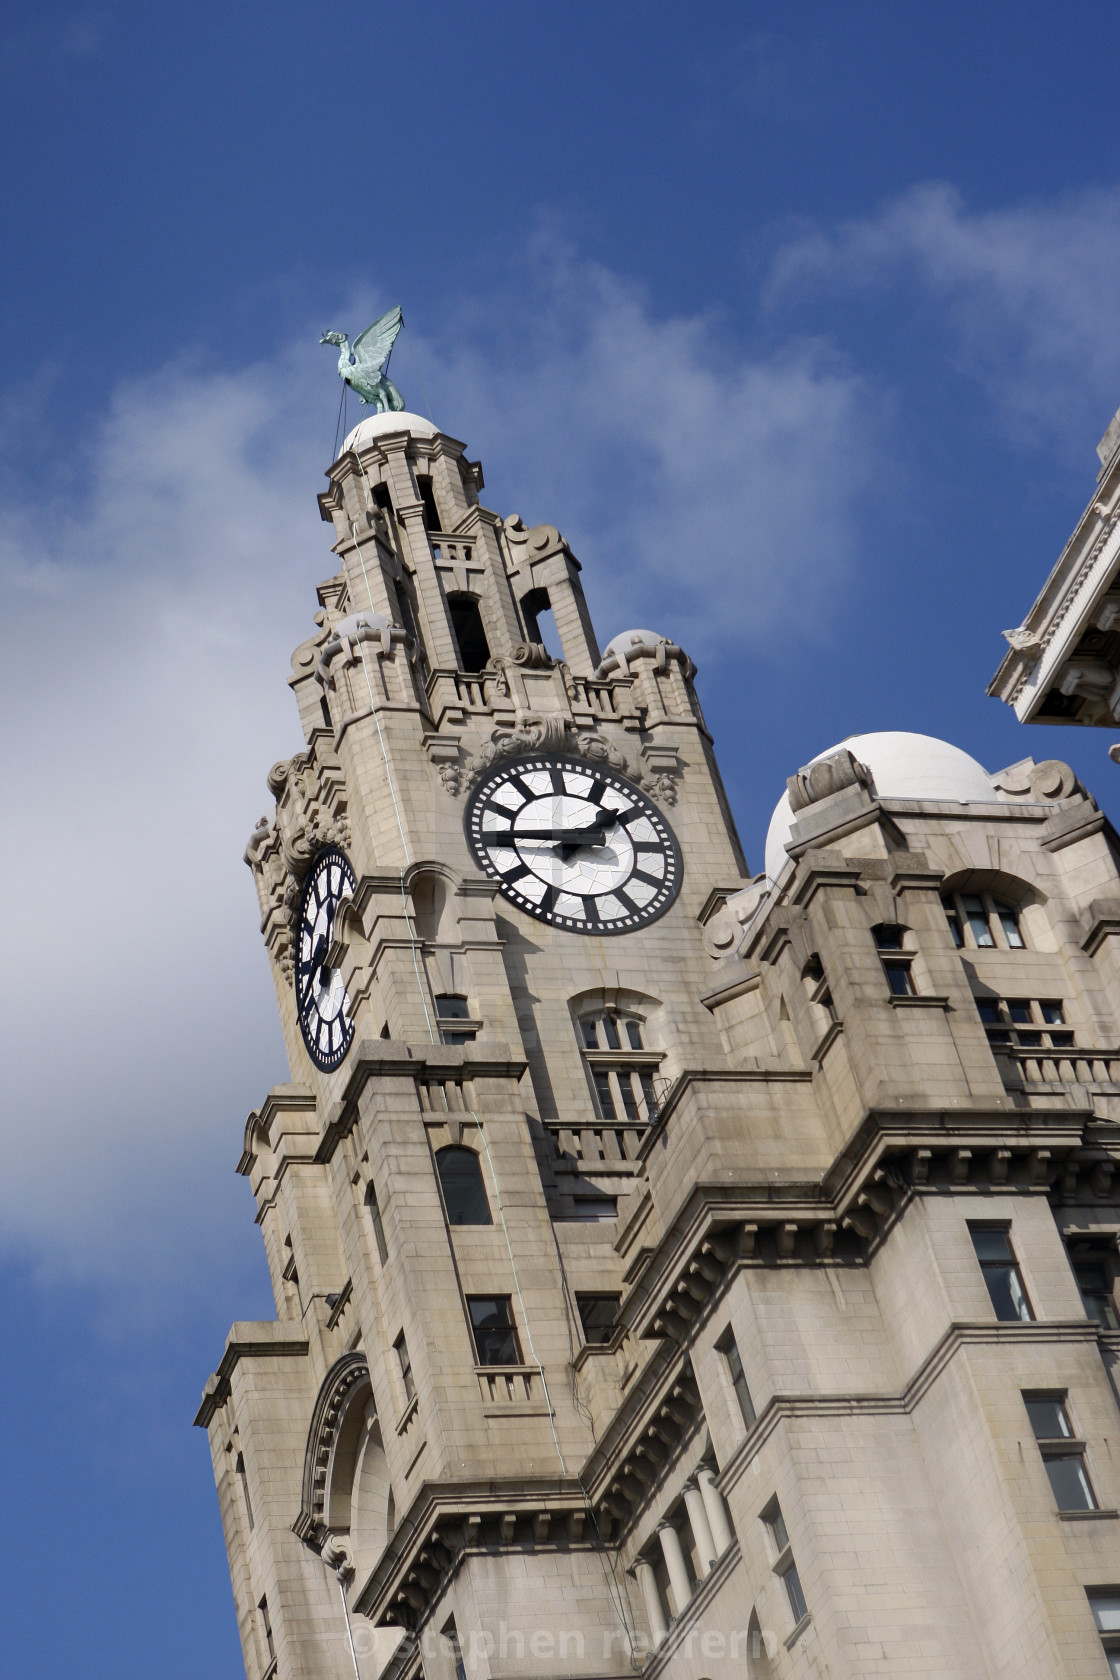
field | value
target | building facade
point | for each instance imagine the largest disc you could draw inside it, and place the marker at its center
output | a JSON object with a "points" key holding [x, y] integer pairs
{"points": [[676, 1270]]}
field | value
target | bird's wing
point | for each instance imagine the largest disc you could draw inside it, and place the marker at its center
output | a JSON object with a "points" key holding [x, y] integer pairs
{"points": [[371, 348]]}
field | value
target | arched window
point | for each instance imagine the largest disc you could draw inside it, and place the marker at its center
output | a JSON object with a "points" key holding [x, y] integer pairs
{"points": [[464, 1193], [623, 1072], [470, 636], [979, 920]]}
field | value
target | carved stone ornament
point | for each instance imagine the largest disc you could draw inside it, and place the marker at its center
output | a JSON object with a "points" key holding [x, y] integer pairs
{"points": [[310, 814], [828, 775], [553, 733], [1042, 783], [360, 627], [1022, 640]]}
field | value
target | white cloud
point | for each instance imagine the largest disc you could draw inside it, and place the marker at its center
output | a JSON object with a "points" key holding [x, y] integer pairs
{"points": [[1032, 295], [153, 586]]}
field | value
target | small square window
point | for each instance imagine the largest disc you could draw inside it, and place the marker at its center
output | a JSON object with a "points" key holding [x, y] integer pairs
{"points": [[1053, 1012], [988, 1010], [899, 978], [452, 1006], [1048, 1416], [888, 936], [1020, 1010]]}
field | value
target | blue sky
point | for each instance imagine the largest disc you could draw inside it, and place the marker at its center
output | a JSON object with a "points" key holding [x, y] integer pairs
{"points": [[800, 320]]}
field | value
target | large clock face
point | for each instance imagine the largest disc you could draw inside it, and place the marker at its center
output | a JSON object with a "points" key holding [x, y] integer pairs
{"points": [[320, 995], [574, 845]]}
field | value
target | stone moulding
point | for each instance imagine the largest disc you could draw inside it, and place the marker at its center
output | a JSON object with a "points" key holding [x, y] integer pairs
{"points": [[269, 1340], [342, 1377]]}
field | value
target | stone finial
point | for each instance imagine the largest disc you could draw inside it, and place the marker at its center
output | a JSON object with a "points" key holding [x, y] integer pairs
{"points": [[826, 775]]}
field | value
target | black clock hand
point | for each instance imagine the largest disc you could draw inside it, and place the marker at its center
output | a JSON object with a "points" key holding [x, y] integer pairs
{"points": [[319, 953], [569, 836]]}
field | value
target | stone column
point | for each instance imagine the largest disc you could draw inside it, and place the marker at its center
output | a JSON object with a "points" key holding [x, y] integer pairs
{"points": [[651, 1596], [675, 1564], [701, 1532], [716, 1510]]}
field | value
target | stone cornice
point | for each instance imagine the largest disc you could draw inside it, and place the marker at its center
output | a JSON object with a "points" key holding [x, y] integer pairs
{"points": [[272, 1339]]}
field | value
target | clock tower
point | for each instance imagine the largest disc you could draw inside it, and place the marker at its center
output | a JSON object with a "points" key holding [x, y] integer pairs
{"points": [[660, 1254]]}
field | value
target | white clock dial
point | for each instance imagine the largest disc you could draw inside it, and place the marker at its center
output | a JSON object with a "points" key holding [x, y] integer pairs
{"points": [[320, 994], [573, 844]]}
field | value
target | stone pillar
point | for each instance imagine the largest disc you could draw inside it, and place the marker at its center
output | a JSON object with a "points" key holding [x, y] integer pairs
{"points": [[716, 1510], [651, 1597], [675, 1564], [701, 1532]]}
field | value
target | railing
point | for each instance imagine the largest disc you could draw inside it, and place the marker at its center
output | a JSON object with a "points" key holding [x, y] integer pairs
{"points": [[598, 697], [506, 1383], [1066, 1066], [600, 1142]]}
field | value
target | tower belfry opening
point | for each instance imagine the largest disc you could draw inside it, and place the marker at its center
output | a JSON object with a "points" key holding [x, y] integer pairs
{"points": [[634, 1221]]}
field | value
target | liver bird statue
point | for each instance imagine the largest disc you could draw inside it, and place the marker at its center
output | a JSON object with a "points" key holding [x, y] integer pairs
{"points": [[362, 364]]}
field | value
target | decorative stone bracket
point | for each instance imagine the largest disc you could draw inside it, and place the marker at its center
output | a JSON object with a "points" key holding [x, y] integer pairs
{"points": [[310, 813]]}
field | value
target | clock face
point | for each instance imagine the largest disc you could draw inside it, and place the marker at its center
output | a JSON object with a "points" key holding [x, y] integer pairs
{"points": [[574, 844], [320, 995]]}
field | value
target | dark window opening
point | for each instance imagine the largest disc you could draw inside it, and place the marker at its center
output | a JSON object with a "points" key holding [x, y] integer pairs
{"points": [[1059, 705], [470, 636], [452, 1006], [377, 1223], [594, 1208], [730, 1352], [326, 711], [266, 1629], [1105, 1605], [455, 1649], [1014, 1021], [239, 1466], [1001, 1274], [407, 611], [899, 978], [382, 498], [540, 624], [464, 1192], [406, 1366], [495, 1335], [888, 936], [598, 1315], [975, 918], [427, 496]]}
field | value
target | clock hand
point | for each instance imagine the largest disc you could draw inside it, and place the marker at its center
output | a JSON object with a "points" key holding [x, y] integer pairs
{"points": [[569, 836]]}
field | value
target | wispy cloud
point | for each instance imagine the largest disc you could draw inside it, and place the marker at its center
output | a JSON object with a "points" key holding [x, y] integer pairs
{"points": [[1030, 295], [151, 595]]}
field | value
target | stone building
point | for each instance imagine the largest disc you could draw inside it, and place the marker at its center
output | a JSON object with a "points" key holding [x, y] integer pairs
{"points": [[675, 1269]]}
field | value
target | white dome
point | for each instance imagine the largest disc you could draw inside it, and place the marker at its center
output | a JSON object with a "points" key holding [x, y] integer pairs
{"points": [[377, 425], [620, 648], [902, 766]]}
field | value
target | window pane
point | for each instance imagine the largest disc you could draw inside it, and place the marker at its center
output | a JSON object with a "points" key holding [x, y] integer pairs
{"points": [[796, 1597], [954, 922], [989, 1244], [1048, 1417], [1029, 1040], [590, 1036], [634, 1034], [739, 1381], [1020, 1010], [977, 921], [495, 1338], [1106, 1611], [378, 1226], [591, 1208], [778, 1528], [450, 1006], [464, 1193], [1052, 1012], [597, 1315], [1070, 1483], [988, 1010], [888, 937], [406, 1367], [649, 1096], [1009, 922], [626, 1091], [898, 978], [604, 1096], [610, 1028], [1096, 1293], [1009, 1298]]}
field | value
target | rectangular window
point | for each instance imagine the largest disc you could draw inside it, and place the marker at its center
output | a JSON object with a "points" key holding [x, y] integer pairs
{"points": [[784, 1566], [954, 922], [1001, 1273], [1062, 1454], [266, 1629], [454, 1649], [406, 1366], [899, 978], [604, 1096], [243, 1482], [1009, 922], [495, 1335], [977, 920], [593, 1208], [1096, 1293], [598, 1315], [378, 1225], [735, 1371], [1105, 1605]]}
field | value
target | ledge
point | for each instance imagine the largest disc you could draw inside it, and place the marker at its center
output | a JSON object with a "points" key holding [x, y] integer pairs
{"points": [[920, 1001], [271, 1339], [798, 1631], [1087, 1516]]}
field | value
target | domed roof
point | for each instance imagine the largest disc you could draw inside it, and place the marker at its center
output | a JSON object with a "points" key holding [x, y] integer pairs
{"points": [[377, 425], [621, 648], [902, 766]]}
